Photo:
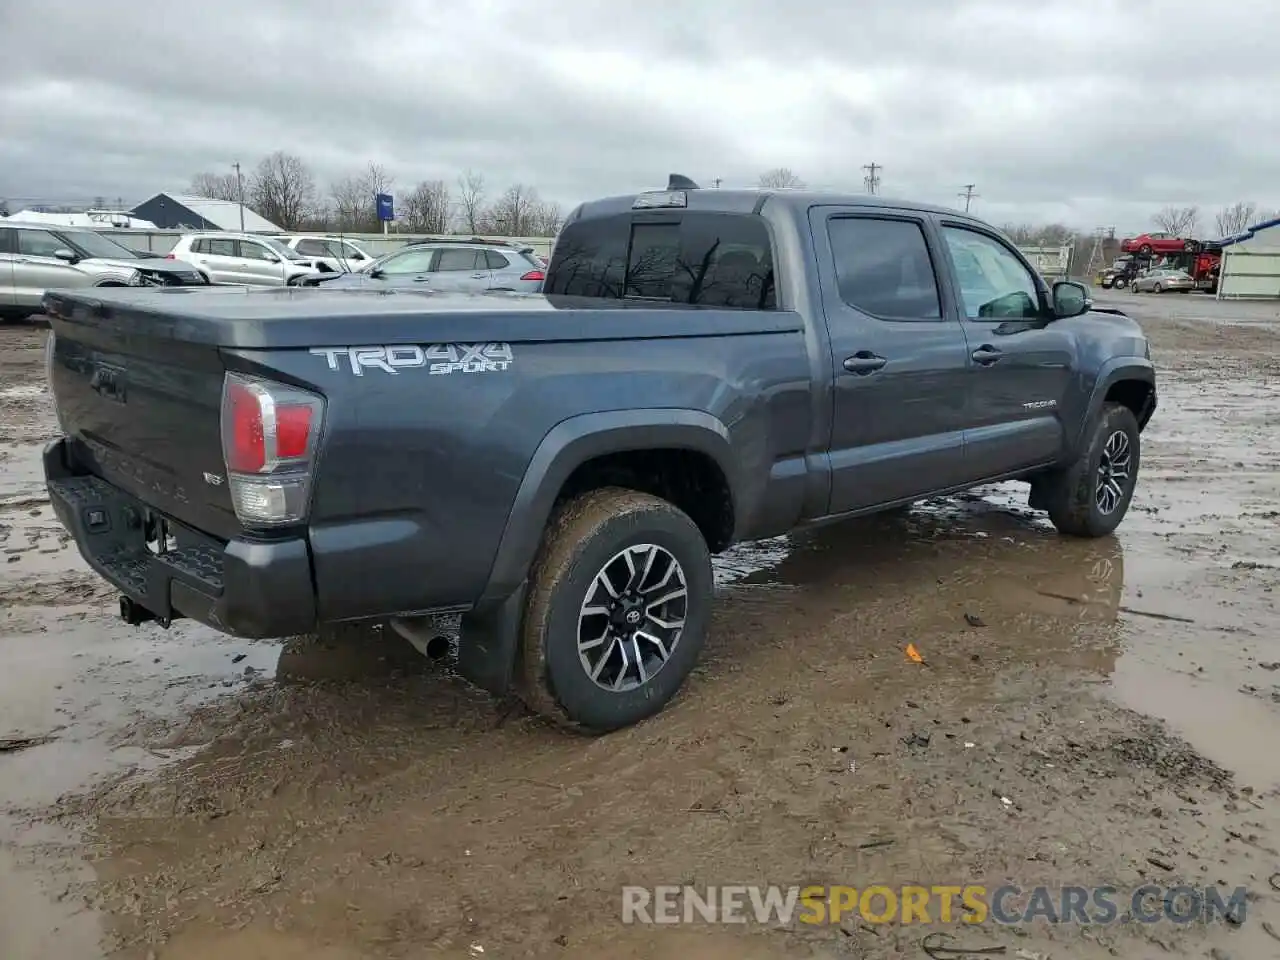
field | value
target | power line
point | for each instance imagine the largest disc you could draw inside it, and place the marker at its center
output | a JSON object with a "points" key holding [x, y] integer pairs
{"points": [[968, 195], [872, 179]]}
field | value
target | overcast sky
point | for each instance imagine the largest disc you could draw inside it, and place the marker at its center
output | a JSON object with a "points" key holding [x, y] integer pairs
{"points": [[1093, 113]]}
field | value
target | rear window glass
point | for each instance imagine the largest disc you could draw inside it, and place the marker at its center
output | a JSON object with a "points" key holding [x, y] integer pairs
{"points": [[719, 260]]}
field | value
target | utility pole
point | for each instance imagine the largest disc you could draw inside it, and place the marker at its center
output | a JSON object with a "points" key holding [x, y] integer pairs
{"points": [[717, 181], [240, 192], [968, 195], [872, 179]]}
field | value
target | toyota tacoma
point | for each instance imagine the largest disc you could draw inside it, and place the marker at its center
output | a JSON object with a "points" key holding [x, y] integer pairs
{"points": [[703, 367]]}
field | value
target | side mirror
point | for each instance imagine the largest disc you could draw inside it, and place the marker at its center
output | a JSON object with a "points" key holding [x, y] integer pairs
{"points": [[1070, 299], [62, 253]]}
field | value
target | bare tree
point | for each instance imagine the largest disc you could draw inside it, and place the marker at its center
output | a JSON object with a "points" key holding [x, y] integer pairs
{"points": [[1033, 235], [215, 186], [1177, 221], [352, 206], [546, 219], [283, 189], [780, 177], [471, 199], [1236, 218], [426, 209], [513, 214]]}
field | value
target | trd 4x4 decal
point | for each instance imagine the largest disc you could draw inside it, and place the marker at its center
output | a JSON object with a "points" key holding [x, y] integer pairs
{"points": [[439, 358]]}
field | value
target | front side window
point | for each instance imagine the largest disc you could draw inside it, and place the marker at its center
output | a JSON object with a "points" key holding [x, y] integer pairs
{"points": [[38, 243], [254, 251], [883, 268], [994, 283], [413, 261]]}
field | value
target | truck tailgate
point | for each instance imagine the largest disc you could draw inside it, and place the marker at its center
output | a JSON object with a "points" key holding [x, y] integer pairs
{"points": [[141, 408]]}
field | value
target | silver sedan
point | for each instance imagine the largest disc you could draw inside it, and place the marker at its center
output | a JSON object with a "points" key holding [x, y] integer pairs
{"points": [[1160, 281]]}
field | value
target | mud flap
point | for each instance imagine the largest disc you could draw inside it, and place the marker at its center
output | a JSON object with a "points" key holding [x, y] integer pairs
{"points": [[488, 643]]}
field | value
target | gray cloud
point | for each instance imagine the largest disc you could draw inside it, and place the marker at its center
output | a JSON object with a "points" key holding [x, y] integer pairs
{"points": [[1088, 112]]}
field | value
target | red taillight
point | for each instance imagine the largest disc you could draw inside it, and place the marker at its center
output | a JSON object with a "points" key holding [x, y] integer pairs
{"points": [[170, 256], [534, 275], [269, 435], [247, 451]]}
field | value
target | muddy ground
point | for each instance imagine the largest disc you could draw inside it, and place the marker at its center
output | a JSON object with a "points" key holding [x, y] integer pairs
{"points": [[1090, 713]]}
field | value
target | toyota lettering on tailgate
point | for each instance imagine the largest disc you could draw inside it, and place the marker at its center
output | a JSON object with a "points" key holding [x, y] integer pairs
{"points": [[438, 358]]}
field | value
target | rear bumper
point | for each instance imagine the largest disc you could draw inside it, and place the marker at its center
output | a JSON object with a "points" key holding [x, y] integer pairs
{"points": [[246, 588]]}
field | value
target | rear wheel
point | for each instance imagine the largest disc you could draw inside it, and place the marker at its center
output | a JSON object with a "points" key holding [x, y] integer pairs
{"points": [[1158, 288], [1145, 250], [617, 611], [1090, 497]]}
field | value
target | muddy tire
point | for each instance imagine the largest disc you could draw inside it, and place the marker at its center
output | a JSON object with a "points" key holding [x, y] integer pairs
{"points": [[1090, 497], [641, 644]]}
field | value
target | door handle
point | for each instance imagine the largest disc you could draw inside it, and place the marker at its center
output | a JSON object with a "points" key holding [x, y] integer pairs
{"points": [[986, 355], [864, 362], [478, 276], [421, 279]]}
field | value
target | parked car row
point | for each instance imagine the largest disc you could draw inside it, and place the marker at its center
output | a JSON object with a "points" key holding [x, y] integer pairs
{"points": [[460, 264], [39, 257]]}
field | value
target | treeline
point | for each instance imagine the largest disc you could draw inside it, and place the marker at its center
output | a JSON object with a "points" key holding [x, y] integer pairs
{"points": [[283, 188]]}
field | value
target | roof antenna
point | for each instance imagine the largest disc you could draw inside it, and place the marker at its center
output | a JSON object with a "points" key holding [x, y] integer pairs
{"points": [[678, 181]]}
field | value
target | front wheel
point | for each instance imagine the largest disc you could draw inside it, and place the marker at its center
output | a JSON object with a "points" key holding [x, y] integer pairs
{"points": [[1090, 497], [618, 608], [1120, 283]]}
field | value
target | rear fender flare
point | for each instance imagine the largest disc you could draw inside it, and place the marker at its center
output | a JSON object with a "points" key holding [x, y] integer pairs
{"points": [[573, 442]]}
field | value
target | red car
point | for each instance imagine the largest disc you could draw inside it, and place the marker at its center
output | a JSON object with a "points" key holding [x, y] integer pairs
{"points": [[1149, 243]]}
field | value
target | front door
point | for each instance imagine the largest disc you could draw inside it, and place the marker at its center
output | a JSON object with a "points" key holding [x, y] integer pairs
{"points": [[261, 265], [1020, 360], [898, 355], [36, 269]]}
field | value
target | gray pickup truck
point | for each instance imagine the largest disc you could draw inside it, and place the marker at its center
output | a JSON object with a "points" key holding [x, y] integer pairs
{"points": [[703, 367]]}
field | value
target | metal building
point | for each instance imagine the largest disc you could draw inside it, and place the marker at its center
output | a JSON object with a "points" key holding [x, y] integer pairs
{"points": [[1251, 264]]}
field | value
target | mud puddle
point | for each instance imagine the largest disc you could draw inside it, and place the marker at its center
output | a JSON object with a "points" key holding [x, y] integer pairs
{"points": [[352, 800]]}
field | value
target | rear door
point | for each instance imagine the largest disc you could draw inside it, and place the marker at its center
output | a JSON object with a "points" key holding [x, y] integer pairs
{"points": [[1020, 361], [461, 268], [899, 356], [36, 269], [219, 258], [8, 252]]}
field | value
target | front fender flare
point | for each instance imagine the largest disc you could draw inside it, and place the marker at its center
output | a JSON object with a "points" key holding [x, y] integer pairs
{"points": [[1111, 373]]}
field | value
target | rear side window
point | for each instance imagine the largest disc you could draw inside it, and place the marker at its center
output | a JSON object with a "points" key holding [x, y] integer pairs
{"points": [[215, 248], [461, 260], [314, 248], [883, 268], [495, 260], [718, 260]]}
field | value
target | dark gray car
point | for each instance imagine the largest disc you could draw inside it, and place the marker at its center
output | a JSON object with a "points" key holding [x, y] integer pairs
{"points": [[704, 367], [459, 265], [35, 257]]}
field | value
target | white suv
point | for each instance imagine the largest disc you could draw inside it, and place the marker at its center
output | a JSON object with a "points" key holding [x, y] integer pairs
{"points": [[341, 254], [245, 259]]}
